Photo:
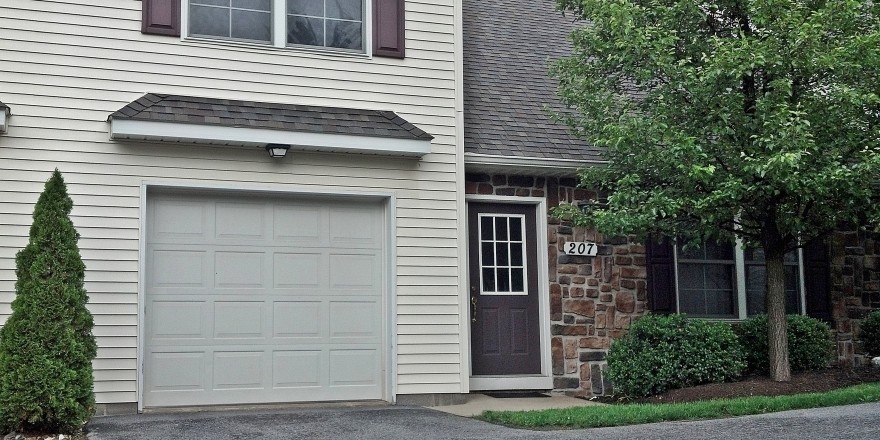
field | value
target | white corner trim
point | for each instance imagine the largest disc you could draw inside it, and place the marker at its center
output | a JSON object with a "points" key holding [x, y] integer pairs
{"points": [[4, 115], [528, 162], [246, 136]]}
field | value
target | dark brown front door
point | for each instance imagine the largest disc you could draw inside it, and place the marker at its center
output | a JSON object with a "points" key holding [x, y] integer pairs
{"points": [[505, 329]]}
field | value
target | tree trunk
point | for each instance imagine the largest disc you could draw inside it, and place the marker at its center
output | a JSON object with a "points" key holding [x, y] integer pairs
{"points": [[777, 332]]}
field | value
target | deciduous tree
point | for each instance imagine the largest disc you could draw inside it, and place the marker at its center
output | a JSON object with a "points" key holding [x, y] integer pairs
{"points": [[756, 120]]}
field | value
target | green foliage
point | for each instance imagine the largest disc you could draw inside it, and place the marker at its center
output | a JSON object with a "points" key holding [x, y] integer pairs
{"points": [[46, 345], [810, 343], [666, 352], [724, 119], [727, 118], [870, 333]]}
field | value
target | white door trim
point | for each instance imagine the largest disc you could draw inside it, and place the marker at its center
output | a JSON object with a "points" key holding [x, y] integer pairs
{"points": [[544, 380], [389, 272]]}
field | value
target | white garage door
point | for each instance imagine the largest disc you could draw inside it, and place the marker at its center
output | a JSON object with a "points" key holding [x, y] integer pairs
{"points": [[253, 299]]}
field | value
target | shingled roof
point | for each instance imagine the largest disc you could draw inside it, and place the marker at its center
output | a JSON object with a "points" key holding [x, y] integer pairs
{"points": [[508, 47], [156, 107]]}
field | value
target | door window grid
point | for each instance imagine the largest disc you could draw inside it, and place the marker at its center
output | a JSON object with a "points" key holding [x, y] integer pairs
{"points": [[502, 254]]}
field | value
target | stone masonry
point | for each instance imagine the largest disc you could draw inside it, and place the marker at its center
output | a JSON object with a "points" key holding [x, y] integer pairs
{"points": [[593, 300], [855, 289]]}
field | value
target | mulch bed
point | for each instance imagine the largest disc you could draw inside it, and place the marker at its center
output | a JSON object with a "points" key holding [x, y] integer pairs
{"points": [[807, 382]]}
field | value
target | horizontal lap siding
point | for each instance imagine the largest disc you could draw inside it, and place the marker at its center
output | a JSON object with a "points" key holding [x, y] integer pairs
{"points": [[66, 65]]}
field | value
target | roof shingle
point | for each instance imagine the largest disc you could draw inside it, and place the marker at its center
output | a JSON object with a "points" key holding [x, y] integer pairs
{"points": [[250, 114], [508, 48]]}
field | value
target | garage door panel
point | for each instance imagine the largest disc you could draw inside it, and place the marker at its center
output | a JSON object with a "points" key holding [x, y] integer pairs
{"points": [[179, 268], [355, 270], [178, 319], [177, 371], [302, 225], [299, 319], [176, 221], [235, 269], [354, 367], [239, 370], [293, 270], [241, 221], [353, 320], [265, 300], [298, 369], [354, 227], [240, 319]]}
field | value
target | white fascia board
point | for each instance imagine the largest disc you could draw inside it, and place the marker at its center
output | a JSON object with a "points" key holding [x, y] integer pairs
{"points": [[247, 136], [527, 165], [4, 116]]}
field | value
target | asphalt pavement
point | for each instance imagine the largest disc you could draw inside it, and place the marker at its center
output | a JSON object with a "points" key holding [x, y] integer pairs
{"points": [[418, 423]]}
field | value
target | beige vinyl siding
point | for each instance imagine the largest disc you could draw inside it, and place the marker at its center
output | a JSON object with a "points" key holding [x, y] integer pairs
{"points": [[66, 65]]}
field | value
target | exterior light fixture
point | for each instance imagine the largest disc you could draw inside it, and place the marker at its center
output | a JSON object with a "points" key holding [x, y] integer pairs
{"points": [[277, 150]]}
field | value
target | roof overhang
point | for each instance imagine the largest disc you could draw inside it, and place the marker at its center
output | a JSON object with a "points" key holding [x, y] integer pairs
{"points": [[518, 165], [4, 117], [173, 132]]}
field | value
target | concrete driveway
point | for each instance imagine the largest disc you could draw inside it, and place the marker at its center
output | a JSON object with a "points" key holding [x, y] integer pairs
{"points": [[417, 423]]}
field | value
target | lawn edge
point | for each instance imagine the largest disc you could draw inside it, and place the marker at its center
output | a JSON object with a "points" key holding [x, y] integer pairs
{"points": [[640, 413]]}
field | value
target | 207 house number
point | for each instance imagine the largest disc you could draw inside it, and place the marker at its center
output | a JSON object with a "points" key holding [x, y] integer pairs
{"points": [[580, 248]]}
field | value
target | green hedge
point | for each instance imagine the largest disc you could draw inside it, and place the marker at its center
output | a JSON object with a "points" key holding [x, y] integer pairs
{"points": [[660, 353], [870, 333], [810, 343]]}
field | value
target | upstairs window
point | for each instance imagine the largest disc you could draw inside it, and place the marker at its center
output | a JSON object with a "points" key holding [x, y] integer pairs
{"points": [[332, 24], [326, 23], [238, 19]]}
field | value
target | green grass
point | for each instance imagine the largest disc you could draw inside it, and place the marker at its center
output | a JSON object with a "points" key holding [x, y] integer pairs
{"points": [[633, 414]]}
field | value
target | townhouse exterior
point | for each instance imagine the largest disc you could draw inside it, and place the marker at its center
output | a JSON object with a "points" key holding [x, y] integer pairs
{"points": [[290, 200]]}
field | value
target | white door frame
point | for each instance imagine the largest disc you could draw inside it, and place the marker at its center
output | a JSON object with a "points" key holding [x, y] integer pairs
{"points": [[544, 380], [389, 272]]}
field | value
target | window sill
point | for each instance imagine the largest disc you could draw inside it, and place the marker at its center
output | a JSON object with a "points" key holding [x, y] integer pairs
{"points": [[254, 47]]}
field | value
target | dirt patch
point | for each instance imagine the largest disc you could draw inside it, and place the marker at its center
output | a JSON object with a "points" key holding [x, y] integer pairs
{"points": [[808, 382]]}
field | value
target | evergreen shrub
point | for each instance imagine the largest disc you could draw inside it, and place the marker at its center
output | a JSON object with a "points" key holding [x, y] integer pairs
{"points": [[810, 343], [46, 345], [661, 353], [870, 333]]}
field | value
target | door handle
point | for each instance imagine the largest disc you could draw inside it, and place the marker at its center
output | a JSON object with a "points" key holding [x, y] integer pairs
{"points": [[473, 304]]}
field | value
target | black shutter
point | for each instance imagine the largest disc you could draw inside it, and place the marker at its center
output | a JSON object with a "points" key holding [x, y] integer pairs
{"points": [[161, 17], [388, 28], [817, 277], [660, 260]]}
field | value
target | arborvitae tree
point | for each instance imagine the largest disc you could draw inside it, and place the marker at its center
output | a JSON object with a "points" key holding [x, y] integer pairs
{"points": [[46, 345]]}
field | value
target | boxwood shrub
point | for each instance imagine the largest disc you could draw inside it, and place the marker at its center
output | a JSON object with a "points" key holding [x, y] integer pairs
{"points": [[661, 353], [870, 333], [810, 343]]}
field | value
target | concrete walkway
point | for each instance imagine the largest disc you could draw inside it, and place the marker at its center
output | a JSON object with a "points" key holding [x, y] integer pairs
{"points": [[477, 403]]}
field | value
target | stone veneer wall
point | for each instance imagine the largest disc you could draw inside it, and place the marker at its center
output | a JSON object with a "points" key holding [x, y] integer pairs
{"points": [[855, 289], [593, 300]]}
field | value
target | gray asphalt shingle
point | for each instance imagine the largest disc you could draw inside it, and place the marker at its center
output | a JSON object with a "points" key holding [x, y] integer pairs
{"points": [[508, 48], [287, 117]]}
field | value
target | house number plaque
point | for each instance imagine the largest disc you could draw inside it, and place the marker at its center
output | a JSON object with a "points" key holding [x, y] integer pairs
{"points": [[580, 248]]}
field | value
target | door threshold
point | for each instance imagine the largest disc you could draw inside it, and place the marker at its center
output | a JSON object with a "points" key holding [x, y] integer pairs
{"points": [[502, 383]]}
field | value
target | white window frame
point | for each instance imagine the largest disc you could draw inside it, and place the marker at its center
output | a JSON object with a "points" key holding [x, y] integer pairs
{"points": [[739, 287], [525, 268], [279, 32]]}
